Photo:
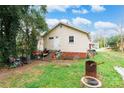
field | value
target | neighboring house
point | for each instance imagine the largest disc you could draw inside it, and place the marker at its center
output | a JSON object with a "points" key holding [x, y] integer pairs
{"points": [[40, 45], [72, 41]]}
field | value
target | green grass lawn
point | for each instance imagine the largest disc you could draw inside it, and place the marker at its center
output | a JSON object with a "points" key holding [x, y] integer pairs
{"points": [[68, 76]]}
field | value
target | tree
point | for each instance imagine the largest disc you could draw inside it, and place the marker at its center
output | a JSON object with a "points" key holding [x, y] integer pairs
{"points": [[113, 41], [33, 22], [9, 25], [98, 37], [120, 31], [19, 27]]}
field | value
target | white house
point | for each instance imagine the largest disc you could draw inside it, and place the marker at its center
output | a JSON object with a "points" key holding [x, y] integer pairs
{"points": [[71, 41]]}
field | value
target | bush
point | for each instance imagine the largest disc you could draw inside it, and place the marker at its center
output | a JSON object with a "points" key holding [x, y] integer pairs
{"points": [[2, 63]]}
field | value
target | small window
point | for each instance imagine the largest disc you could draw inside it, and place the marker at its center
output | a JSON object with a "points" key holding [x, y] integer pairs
{"points": [[51, 38], [60, 26], [71, 39]]}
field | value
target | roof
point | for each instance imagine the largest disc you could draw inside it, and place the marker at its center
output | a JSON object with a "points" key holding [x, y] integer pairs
{"points": [[67, 25]]}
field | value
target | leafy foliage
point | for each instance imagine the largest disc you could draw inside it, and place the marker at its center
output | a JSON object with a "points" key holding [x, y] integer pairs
{"points": [[113, 41], [32, 23], [9, 25], [19, 28]]}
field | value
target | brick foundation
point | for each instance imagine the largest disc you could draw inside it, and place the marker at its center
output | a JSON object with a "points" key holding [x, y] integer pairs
{"points": [[73, 55]]}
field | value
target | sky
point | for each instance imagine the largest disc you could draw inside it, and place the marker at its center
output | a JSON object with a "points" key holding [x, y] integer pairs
{"points": [[94, 19]]}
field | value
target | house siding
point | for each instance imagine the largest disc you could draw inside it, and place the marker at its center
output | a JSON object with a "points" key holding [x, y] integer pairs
{"points": [[40, 44], [81, 41]]}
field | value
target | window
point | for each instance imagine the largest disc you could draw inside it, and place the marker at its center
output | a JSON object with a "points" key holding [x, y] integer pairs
{"points": [[71, 39], [51, 38], [60, 26]]}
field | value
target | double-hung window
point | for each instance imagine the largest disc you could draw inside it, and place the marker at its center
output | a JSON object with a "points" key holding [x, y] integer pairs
{"points": [[51, 37], [71, 39]]}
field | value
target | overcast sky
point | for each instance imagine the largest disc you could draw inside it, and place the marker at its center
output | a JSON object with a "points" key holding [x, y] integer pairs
{"points": [[102, 19]]}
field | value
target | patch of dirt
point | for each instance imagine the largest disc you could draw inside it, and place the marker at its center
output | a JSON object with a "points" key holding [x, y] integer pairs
{"points": [[63, 61], [6, 72], [36, 72]]}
